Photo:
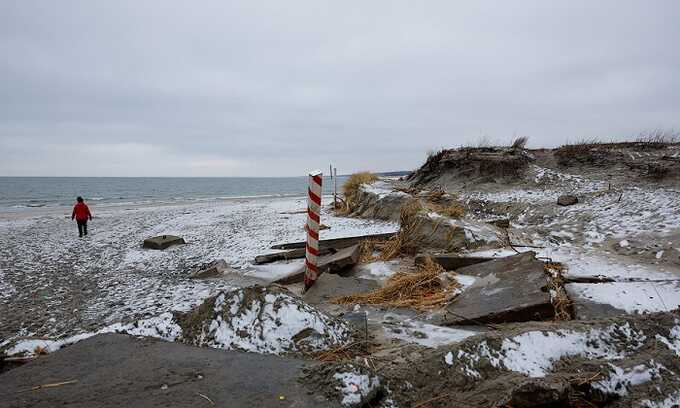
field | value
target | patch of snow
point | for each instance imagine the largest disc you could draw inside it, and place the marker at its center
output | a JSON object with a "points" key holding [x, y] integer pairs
{"points": [[672, 401], [378, 270], [633, 297], [425, 334], [163, 327], [673, 340], [620, 381], [356, 388], [382, 189], [534, 353], [624, 243], [274, 271], [448, 358]]}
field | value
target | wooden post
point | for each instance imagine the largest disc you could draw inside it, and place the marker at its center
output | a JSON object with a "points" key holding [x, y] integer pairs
{"points": [[313, 221], [335, 188]]}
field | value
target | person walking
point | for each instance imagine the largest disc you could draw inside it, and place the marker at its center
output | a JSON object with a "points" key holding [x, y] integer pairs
{"points": [[81, 213]]}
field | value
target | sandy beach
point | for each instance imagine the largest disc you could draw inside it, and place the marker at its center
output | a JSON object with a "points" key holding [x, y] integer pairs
{"points": [[54, 284]]}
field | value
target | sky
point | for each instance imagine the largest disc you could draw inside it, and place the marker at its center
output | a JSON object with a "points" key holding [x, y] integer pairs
{"points": [[276, 88]]}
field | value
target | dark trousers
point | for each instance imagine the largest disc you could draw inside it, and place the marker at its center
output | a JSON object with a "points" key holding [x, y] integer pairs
{"points": [[82, 227]]}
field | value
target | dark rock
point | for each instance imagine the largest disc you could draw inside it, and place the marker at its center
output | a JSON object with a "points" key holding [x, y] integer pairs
{"points": [[162, 242], [565, 200]]}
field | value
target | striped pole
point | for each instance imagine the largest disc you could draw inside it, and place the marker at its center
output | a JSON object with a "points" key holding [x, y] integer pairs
{"points": [[312, 227]]}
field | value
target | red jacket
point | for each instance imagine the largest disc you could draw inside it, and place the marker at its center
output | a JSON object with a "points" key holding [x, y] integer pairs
{"points": [[81, 212]]}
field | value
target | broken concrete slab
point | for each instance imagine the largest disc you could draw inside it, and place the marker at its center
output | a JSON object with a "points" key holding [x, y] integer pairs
{"points": [[333, 263], [213, 269], [452, 261], [330, 286], [565, 200], [290, 254], [114, 370], [337, 243], [162, 242], [511, 289], [434, 231]]}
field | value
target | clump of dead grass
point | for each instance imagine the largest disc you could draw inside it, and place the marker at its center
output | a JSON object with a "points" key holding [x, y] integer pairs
{"points": [[559, 298], [519, 142], [352, 186], [454, 210], [407, 239], [424, 289], [658, 138]]}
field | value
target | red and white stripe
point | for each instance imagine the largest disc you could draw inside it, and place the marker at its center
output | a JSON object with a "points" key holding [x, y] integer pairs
{"points": [[312, 227]]}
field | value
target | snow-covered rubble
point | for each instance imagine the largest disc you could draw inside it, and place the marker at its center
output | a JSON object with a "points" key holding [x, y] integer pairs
{"points": [[356, 388], [263, 320], [254, 319], [533, 353], [620, 380]]}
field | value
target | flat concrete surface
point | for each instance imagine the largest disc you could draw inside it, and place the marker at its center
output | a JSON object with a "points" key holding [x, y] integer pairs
{"points": [[452, 261], [332, 263], [330, 286], [115, 370], [511, 289]]}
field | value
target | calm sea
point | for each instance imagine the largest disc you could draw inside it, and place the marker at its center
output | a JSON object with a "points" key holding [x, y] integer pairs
{"points": [[25, 192]]}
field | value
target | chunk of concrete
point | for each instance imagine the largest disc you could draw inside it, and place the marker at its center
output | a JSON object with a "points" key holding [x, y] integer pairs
{"points": [[436, 232], [511, 289], [162, 242], [452, 261], [333, 263], [565, 200], [337, 243], [287, 255], [213, 269], [114, 370], [330, 286]]}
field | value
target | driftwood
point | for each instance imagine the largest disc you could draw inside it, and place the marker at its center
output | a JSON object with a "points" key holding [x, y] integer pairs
{"points": [[336, 243]]}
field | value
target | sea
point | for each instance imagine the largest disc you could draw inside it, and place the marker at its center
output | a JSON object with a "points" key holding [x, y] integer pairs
{"points": [[36, 192]]}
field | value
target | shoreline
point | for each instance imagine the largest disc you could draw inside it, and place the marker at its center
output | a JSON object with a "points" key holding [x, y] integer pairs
{"points": [[13, 214]]}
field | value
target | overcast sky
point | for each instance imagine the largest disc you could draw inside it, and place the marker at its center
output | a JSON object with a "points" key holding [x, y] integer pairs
{"points": [[224, 88]]}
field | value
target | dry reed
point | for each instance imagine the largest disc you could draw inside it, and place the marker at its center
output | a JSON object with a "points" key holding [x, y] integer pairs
{"points": [[423, 289], [352, 186], [559, 298]]}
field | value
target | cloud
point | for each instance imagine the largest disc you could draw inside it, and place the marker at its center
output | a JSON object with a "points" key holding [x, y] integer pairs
{"points": [[270, 88]]}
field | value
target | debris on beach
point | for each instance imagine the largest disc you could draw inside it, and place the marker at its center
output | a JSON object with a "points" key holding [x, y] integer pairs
{"points": [[335, 262], [212, 269], [162, 242], [259, 319]]}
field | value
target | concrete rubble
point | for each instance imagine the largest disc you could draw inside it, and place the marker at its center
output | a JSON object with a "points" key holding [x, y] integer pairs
{"points": [[162, 242]]}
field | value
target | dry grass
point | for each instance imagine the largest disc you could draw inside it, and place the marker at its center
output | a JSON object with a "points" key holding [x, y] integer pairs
{"points": [[422, 290], [453, 210], [406, 240], [560, 300], [351, 188], [519, 142], [658, 137]]}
